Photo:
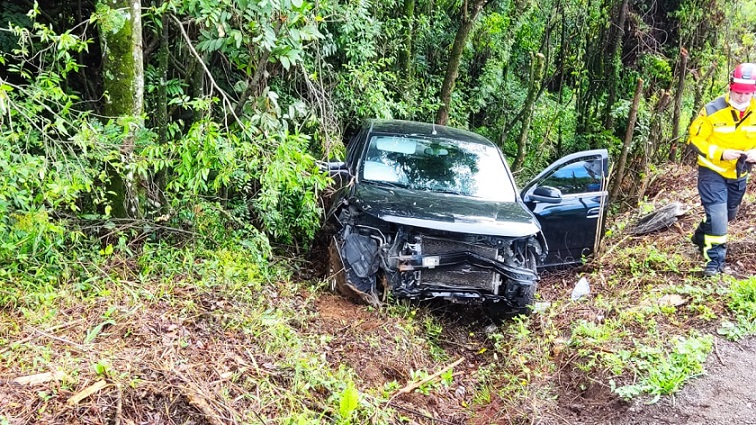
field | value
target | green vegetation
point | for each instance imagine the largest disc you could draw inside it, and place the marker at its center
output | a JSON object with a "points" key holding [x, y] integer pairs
{"points": [[742, 302]]}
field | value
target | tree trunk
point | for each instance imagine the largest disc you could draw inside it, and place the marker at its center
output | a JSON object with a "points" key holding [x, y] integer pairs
{"points": [[161, 105], [161, 108], [563, 49], [649, 149], [614, 63], [536, 75], [688, 157], [590, 73], [620, 173], [405, 55], [698, 96], [255, 84], [468, 20], [197, 85], [678, 106], [123, 84], [656, 133]]}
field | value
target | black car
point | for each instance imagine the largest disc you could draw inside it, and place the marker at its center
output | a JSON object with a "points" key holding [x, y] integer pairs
{"points": [[426, 211]]}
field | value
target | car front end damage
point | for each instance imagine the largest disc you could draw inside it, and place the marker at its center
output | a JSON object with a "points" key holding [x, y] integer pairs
{"points": [[371, 256]]}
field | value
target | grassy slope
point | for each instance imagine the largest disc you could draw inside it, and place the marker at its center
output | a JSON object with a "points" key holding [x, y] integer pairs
{"points": [[186, 335]]}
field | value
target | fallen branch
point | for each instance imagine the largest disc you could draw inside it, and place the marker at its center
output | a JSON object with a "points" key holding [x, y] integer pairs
{"points": [[198, 401], [63, 340], [119, 405], [420, 414], [47, 331], [86, 392], [415, 385], [606, 254], [39, 378]]}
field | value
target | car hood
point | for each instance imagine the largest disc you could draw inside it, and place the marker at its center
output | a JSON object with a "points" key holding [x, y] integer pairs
{"points": [[440, 211]]}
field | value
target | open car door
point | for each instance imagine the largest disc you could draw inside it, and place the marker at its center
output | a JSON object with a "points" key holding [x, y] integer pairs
{"points": [[567, 198]]}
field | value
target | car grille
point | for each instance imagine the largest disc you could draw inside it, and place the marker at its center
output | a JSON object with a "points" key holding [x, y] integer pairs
{"points": [[463, 275]]}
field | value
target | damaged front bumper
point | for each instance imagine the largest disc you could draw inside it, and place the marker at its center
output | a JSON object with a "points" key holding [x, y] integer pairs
{"points": [[498, 272]]}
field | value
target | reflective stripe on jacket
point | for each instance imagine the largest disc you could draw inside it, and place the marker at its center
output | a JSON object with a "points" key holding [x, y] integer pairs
{"points": [[719, 127]]}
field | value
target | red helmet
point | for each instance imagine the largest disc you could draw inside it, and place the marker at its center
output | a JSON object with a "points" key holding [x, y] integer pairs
{"points": [[743, 78]]}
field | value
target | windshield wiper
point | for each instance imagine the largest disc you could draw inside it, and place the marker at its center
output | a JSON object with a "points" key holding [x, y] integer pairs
{"points": [[447, 191], [385, 183]]}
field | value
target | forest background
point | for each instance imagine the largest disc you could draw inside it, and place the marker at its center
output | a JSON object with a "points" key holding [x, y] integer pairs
{"points": [[151, 133]]}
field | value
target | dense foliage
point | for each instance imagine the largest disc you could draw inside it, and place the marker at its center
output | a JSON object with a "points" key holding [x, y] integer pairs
{"points": [[241, 98]]}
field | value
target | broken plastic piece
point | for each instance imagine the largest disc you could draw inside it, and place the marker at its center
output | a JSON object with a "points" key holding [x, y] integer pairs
{"points": [[582, 288]]}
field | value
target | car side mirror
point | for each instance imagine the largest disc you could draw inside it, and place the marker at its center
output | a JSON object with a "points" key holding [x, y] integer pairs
{"points": [[548, 194], [334, 168]]}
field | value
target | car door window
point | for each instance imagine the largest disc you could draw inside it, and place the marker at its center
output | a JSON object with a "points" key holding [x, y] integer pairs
{"points": [[354, 149], [581, 176]]}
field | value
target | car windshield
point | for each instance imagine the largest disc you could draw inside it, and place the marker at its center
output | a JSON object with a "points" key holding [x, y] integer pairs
{"points": [[439, 165]]}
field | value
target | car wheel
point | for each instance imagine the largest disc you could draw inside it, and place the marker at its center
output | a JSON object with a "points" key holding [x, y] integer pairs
{"points": [[336, 273]]}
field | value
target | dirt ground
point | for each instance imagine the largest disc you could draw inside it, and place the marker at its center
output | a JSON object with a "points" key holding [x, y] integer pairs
{"points": [[724, 395]]}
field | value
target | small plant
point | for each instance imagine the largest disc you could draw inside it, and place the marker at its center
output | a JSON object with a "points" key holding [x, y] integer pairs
{"points": [[94, 332], [664, 372], [348, 403], [742, 302], [433, 329], [743, 298], [419, 375], [102, 368]]}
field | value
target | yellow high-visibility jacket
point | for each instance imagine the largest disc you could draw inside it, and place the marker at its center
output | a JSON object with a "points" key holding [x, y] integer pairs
{"points": [[719, 127]]}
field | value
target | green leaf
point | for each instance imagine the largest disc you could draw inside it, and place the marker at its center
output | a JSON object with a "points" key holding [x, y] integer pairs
{"points": [[349, 401], [92, 334], [285, 62]]}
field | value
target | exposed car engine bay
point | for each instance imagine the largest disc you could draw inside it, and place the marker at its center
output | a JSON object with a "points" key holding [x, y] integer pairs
{"points": [[379, 257]]}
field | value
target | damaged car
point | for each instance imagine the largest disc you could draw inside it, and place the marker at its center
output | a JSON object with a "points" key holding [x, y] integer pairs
{"points": [[424, 211]]}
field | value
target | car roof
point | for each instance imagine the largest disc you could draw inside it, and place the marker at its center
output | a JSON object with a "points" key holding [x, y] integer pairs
{"points": [[424, 129]]}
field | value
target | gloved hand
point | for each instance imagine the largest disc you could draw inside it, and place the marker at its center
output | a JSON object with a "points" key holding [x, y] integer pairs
{"points": [[743, 167]]}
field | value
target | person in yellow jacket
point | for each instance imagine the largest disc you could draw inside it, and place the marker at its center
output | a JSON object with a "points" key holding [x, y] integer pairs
{"points": [[724, 138]]}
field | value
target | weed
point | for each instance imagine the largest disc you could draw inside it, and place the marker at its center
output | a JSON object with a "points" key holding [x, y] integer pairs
{"points": [[102, 368], [743, 298], [348, 402], [742, 302], [646, 260], [419, 375], [663, 372]]}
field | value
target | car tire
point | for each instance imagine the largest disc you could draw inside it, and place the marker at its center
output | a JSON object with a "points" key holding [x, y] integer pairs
{"points": [[336, 272]]}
